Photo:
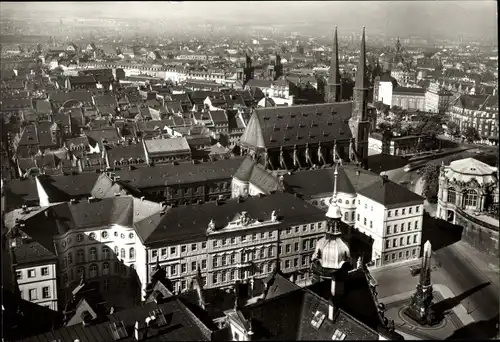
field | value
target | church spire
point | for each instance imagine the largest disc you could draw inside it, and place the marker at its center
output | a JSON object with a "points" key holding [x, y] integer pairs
{"points": [[334, 214], [361, 81], [334, 82], [358, 123]]}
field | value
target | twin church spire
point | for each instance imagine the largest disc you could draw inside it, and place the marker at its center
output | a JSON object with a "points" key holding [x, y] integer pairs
{"points": [[334, 84]]}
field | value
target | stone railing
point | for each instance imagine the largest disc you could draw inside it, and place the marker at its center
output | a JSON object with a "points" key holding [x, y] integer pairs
{"points": [[477, 220]]}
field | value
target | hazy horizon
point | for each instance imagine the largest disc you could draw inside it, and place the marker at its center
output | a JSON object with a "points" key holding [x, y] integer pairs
{"points": [[475, 18]]}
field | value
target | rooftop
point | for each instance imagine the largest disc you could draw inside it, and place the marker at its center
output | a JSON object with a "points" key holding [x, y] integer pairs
{"points": [[390, 194], [187, 222], [167, 145], [297, 125]]}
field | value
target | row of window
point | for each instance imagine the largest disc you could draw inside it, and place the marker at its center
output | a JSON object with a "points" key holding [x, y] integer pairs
{"points": [[401, 241], [470, 197], [307, 244], [119, 269], [216, 243], [33, 293], [395, 230], [92, 236], [32, 273], [400, 255], [312, 227], [93, 255], [403, 211]]}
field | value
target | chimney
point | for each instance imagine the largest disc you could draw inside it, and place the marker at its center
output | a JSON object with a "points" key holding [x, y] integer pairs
{"points": [[91, 199], [140, 331], [385, 179], [330, 311]]}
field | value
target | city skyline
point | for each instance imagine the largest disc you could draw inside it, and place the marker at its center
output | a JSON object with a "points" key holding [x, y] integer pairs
{"points": [[381, 17]]}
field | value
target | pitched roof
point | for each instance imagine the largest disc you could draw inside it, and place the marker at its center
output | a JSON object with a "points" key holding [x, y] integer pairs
{"points": [[182, 325], [84, 214], [183, 173], [167, 145], [32, 252], [408, 91], [126, 151], [316, 182], [185, 222], [254, 173], [297, 125], [65, 188], [390, 194], [288, 317]]}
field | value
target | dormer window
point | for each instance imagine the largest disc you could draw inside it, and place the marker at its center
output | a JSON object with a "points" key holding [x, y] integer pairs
{"points": [[318, 319], [338, 335]]}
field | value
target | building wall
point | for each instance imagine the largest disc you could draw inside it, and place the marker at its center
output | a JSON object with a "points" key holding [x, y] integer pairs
{"points": [[409, 101], [385, 93], [238, 254], [29, 281], [114, 268], [478, 235], [378, 222]]}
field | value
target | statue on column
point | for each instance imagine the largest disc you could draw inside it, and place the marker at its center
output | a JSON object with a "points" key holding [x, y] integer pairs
{"points": [[420, 305]]}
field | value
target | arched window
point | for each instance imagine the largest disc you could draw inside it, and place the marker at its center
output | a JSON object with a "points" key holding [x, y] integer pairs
{"points": [[352, 216], [132, 253], [105, 268], [92, 236], [80, 273], [104, 234], [452, 196], [70, 258], [346, 216], [79, 238], [93, 254], [80, 255], [116, 251], [93, 271], [122, 253], [105, 252], [471, 198], [131, 235]]}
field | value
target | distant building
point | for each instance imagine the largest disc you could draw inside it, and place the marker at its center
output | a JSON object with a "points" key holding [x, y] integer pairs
{"points": [[368, 202], [479, 112], [158, 151], [437, 100], [35, 268], [409, 98], [468, 196]]}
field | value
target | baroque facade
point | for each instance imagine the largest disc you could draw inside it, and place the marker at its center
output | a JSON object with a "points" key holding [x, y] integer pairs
{"points": [[467, 185]]}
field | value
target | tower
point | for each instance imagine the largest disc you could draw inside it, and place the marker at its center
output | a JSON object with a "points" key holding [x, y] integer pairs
{"points": [[331, 258], [358, 123], [333, 93]]}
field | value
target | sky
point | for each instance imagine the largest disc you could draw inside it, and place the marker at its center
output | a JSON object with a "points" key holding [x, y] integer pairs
{"points": [[390, 17]]}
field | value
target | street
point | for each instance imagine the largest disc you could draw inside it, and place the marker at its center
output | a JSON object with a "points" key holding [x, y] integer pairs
{"points": [[455, 263], [450, 268]]}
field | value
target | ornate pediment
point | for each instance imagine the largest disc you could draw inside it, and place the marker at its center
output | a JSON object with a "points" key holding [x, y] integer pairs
{"points": [[243, 220]]}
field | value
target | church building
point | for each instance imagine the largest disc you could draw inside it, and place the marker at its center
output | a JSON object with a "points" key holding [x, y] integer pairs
{"points": [[304, 136]]}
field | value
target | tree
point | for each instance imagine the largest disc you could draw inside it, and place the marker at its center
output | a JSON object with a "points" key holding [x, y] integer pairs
{"points": [[430, 177], [471, 134], [452, 129]]}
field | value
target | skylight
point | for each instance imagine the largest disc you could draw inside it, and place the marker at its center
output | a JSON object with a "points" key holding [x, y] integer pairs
{"points": [[338, 335], [318, 319]]}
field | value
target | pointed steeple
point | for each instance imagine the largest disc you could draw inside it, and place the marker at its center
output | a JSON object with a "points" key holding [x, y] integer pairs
{"points": [[334, 214], [334, 81], [361, 81]]}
